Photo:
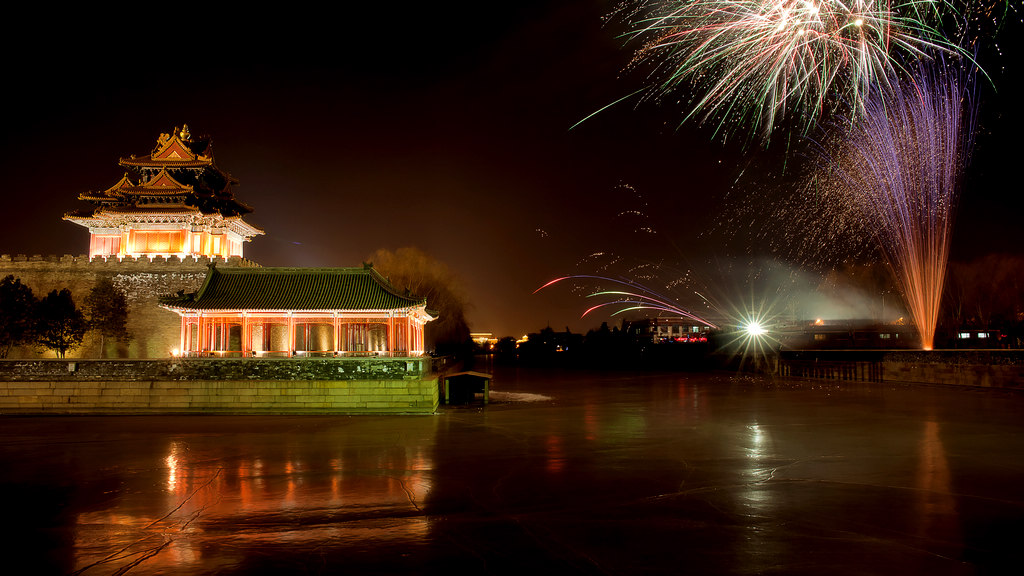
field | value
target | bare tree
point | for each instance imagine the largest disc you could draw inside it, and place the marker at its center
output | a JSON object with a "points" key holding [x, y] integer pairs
{"points": [[424, 276]]}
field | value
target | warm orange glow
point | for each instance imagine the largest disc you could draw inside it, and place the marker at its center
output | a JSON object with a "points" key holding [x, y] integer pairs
{"points": [[104, 245], [199, 490], [555, 461], [936, 507], [156, 241], [183, 242], [247, 333]]}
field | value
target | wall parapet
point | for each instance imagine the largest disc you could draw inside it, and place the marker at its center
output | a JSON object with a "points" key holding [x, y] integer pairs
{"points": [[185, 369], [128, 262]]}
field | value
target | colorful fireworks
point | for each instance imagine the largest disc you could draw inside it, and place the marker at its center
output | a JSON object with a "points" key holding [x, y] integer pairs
{"points": [[756, 62], [900, 164], [632, 297], [747, 330]]}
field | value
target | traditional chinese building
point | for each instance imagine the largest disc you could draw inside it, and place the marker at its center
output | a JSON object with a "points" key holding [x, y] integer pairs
{"points": [[173, 202], [299, 311]]}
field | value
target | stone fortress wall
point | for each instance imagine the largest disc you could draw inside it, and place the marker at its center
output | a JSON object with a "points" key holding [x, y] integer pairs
{"points": [[154, 331]]}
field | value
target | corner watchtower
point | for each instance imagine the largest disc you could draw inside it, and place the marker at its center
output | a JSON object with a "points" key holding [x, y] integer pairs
{"points": [[172, 202]]}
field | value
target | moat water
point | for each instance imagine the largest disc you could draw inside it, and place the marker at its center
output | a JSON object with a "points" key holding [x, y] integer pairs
{"points": [[563, 472]]}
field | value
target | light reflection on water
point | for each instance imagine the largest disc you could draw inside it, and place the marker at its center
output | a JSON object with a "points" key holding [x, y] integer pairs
{"points": [[239, 504], [761, 466], [721, 470], [172, 468], [936, 513], [555, 454]]}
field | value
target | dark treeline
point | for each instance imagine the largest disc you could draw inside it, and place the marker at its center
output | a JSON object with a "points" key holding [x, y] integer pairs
{"points": [[603, 348], [54, 322]]}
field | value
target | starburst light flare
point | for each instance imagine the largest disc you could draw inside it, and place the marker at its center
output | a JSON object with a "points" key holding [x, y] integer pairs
{"points": [[752, 63], [901, 164]]}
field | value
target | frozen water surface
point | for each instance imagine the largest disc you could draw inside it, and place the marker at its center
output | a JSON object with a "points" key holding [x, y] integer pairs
{"points": [[564, 472]]}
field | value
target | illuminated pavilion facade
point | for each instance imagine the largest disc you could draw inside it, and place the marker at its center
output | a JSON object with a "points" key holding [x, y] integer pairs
{"points": [[173, 202], [256, 312]]}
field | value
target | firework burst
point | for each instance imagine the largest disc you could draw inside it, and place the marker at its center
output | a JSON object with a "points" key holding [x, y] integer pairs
{"points": [[755, 62], [900, 164]]}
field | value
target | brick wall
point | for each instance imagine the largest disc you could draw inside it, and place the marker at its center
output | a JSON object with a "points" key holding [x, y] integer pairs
{"points": [[154, 330], [230, 386]]}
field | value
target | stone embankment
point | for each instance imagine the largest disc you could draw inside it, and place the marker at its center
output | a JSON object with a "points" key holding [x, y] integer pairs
{"points": [[225, 386]]}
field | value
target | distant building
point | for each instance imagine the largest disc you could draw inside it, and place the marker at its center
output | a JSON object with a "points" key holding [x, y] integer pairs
{"points": [[661, 330], [485, 340], [174, 202], [978, 338], [848, 334], [299, 312]]}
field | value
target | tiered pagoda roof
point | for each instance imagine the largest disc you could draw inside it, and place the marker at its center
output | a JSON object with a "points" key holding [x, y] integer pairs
{"points": [[178, 175]]}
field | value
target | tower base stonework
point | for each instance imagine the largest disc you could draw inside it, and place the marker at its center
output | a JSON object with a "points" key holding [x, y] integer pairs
{"points": [[155, 332]]}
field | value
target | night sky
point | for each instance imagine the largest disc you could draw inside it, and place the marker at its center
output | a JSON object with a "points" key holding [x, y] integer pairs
{"points": [[434, 127]]}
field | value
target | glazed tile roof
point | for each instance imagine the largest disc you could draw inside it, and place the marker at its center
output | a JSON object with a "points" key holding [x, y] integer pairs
{"points": [[181, 166], [155, 209], [177, 149], [148, 161], [294, 289]]}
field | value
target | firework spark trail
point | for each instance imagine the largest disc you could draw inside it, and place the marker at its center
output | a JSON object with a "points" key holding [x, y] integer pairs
{"points": [[752, 62], [901, 164], [641, 298]]}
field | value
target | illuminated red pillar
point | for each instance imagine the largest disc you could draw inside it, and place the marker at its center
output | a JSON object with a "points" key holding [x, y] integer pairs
{"points": [[337, 333], [408, 337], [203, 337], [391, 335], [246, 337], [291, 334]]}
